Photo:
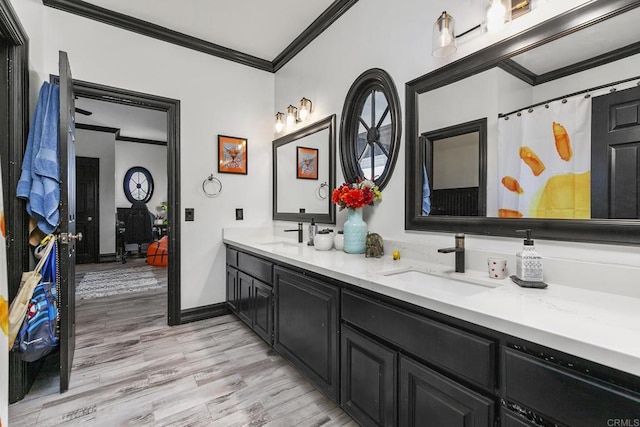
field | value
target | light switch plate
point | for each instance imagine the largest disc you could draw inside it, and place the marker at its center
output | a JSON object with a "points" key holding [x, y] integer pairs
{"points": [[239, 214], [189, 214]]}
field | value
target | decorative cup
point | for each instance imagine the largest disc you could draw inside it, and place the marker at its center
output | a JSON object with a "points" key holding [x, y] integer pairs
{"points": [[497, 267]]}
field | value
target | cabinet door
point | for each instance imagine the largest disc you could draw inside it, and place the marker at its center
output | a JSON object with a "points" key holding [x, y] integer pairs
{"points": [[430, 399], [263, 310], [306, 327], [244, 300], [232, 288], [368, 380]]}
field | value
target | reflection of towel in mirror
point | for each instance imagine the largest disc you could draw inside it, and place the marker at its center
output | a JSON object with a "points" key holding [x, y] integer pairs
{"points": [[426, 193], [40, 177]]}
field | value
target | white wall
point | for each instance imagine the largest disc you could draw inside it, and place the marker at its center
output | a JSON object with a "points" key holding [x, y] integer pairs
{"points": [[213, 97], [149, 156], [102, 145], [400, 43]]}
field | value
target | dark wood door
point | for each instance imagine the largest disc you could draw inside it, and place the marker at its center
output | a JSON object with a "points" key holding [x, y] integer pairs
{"points": [[67, 228], [87, 209], [368, 380], [232, 288], [429, 399], [615, 155], [244, 303], [263, 310], [306, 327]]}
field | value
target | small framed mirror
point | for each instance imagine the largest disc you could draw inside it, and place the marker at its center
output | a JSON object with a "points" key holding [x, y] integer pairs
{"points": [[304, 173]]}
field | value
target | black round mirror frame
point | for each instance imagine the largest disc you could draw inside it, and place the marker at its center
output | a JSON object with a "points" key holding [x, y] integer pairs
{"points": [[614, 231], [374, 79]]}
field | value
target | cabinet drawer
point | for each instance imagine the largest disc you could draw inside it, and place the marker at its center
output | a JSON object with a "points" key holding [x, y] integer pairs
{"points": [[232, 257], [459, 352], [567, 397], [257, 267]]}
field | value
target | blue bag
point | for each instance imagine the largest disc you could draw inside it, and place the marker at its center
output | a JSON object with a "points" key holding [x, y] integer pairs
{"points": [[38, 334]]}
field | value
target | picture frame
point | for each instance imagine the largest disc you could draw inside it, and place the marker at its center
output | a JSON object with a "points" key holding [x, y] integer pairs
{"points": [[306, 163], [232, 154]]}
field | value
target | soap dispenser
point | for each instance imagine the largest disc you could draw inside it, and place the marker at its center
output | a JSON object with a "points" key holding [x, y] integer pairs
{"points": [[313, 230], [528, 262]]}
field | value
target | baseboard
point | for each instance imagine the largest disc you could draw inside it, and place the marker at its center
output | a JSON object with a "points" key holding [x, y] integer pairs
{"points": [[205, 312], [107, 257]]}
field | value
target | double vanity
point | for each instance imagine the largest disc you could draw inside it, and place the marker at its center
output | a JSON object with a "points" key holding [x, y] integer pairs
{"points": [[401, 342]]}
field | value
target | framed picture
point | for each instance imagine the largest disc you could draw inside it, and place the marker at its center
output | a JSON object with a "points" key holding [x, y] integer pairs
{"points": [[307, 163], [232, 154]]}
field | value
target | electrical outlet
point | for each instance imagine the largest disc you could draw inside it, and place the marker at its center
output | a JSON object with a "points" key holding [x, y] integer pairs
{"points": [[189, 214], [239, 214]]}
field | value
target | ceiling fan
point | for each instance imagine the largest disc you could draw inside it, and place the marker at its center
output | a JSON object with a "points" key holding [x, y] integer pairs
{"points": [[83, 112]]}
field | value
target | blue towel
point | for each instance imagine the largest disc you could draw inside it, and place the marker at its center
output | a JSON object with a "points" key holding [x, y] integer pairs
{"points": [[39, 181], [426, 193]]}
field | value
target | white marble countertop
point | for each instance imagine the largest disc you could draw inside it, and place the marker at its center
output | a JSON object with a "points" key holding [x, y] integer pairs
{"points": [[598, 326]]}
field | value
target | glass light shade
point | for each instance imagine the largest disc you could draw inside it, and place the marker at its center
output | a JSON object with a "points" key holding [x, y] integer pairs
{"points": [[498, 14], [305, 109], [291, 115], [279, 122], [444, 39]]}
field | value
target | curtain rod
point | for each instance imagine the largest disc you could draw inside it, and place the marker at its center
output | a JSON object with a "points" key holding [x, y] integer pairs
{"points": [[501, 115]]}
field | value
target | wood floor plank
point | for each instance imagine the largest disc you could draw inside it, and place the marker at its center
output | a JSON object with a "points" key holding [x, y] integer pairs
{"points": [[131, 369]]}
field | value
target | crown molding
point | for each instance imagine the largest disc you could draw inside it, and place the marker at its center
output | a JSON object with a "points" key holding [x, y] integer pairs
{"points": [[106, 16]]}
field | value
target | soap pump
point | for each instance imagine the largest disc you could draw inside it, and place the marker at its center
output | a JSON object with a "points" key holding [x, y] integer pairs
{"points": [[528, 262], [313, 230]]}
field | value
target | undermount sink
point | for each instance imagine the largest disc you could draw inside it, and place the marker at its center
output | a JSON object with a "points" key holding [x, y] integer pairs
{"points": [[417, 280], [282, 246], [280, 243]]}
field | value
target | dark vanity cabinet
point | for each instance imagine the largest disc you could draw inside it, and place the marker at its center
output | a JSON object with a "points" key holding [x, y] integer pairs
{"points": [[421, 395], [428, 398], [249, 291], [306, 326], [368, 379], [390, 363]]}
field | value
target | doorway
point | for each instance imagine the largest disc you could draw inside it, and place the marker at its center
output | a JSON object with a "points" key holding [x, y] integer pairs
{"points": [[171, 107], [87, 209]]}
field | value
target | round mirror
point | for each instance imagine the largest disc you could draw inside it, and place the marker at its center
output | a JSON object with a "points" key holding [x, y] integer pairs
{"points": [[370, 128]]}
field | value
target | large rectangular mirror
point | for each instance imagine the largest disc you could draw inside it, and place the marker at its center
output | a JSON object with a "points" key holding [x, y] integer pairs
{"points": [[535, 89], [304, 173]]}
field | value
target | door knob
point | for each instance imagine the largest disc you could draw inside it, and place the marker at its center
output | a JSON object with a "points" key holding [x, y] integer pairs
{"points": [[66, 237], [90, 219]]}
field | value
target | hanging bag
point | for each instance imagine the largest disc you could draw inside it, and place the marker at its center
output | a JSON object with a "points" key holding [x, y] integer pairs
{"points": [[37, 336], [28, 282]]}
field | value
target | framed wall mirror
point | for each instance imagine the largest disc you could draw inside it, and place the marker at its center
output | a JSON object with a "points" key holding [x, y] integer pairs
{"points": [[304, 173], [550, 96]]}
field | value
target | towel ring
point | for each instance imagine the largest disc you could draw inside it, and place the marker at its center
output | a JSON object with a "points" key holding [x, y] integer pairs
{"points": [[211, 180], [325, 194]]}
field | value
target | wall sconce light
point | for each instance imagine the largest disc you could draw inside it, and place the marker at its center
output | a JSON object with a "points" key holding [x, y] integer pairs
{"points": [[279, 122], [294, 115], [305, 109], [444, 39], [498, 14]]}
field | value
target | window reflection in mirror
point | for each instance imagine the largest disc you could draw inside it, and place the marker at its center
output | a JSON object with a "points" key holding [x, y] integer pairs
{"points": [[374, 135]]}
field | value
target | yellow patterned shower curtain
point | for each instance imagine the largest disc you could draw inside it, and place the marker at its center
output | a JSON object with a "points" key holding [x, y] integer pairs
{"points": [[544, 161]]}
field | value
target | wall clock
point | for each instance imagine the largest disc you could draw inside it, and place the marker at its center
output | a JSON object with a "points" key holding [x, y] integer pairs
{"points": [[138, 185]]}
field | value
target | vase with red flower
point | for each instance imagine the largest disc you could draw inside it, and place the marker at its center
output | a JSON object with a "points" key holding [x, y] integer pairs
{"points": [[355, 232], [354, 197]]}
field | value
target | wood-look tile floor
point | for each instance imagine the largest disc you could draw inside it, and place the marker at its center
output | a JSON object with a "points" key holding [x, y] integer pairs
{"points": [[130, 368]]}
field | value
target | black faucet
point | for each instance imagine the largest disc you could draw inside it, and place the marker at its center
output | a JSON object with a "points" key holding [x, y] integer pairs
{"points": [[459, 250], [299, 230]]}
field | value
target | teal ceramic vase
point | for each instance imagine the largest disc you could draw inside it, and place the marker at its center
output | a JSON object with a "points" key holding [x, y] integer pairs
{"points": [[355, 233]]}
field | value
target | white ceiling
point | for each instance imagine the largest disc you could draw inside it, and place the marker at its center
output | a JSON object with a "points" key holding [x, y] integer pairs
{"points": [[133, 122], [256, 27]]}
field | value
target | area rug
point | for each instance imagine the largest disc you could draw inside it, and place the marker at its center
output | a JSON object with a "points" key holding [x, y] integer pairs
{"points": [[96, 284]]}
